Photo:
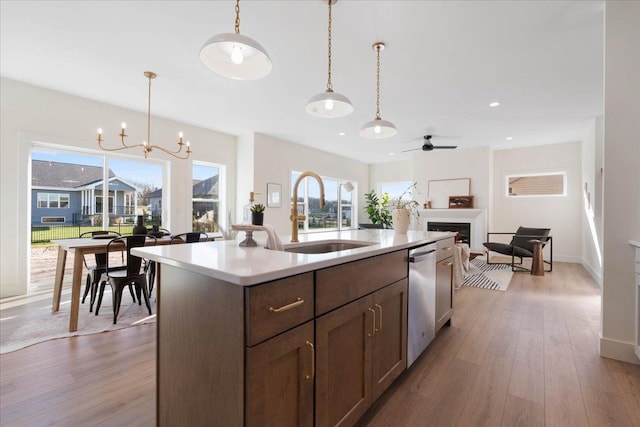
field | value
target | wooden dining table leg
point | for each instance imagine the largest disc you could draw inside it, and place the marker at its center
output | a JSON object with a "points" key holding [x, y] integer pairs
{"points": [[57, 285], [75, 290]]}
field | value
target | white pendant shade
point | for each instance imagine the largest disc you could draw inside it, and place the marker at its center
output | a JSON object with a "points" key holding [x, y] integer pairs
{"points": [[329, 104], [235, 56], [378, 128]]}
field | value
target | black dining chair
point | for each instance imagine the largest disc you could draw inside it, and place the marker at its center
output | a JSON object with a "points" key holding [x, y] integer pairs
{"points": [[190, 237], [134, 274], [95, 271]]}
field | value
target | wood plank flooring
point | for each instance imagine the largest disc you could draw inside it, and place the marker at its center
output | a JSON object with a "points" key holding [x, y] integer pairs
{"points": [[524, 357]]}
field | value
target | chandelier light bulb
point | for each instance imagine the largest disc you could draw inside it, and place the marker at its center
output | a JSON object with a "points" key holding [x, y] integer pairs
{"points": [[124, 125], [236, 55], [377, 129], [99, 131], [180, 134]]}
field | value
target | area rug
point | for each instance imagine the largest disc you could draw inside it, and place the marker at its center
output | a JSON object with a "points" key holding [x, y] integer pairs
{"points": [[55, 325], [495, 277]]}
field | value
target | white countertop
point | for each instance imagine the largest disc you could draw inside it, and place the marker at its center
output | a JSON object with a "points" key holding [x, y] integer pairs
{"points": [[225, 260]]}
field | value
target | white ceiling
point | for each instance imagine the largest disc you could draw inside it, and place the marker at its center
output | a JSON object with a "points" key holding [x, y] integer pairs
{"points": [[444, 63]]}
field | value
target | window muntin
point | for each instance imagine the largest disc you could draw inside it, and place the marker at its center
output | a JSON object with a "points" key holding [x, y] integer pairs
{"points": [[542, 184], [52, 200], [338, 212]]}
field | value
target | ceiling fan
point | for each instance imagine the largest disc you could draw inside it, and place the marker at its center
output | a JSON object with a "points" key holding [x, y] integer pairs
{"points": [[428, 146]]}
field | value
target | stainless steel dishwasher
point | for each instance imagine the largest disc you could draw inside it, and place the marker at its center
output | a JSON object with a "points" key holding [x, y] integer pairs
{"points": [[421, 327]]}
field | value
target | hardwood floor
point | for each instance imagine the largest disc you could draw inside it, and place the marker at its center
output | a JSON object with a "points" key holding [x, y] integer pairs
{"points": [[524, 357]]}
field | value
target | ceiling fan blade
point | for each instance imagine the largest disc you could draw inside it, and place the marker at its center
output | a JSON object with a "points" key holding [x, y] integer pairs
{"points": [[446, 147], [413, 149]]}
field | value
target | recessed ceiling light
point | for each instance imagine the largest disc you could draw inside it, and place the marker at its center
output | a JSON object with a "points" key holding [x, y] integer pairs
{"points": [[342, 133], [509, 138], [494, 104], [392, 154]]}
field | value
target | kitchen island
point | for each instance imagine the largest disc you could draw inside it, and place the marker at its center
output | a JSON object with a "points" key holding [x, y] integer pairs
{"points": [[249, 336]]}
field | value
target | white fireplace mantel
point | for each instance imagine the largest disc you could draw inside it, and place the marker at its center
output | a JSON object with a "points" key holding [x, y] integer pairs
{"points": [[476, 217]]}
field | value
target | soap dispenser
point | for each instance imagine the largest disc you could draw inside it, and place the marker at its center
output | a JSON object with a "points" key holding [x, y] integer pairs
{"points": [[246, 210]]}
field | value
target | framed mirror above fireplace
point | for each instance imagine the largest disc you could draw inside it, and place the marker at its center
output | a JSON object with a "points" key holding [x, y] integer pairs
{"points": [[440, 190]]}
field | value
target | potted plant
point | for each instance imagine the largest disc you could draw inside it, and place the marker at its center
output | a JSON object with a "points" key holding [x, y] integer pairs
{"points": [[404, 209], [378, 208], [257, 214]]}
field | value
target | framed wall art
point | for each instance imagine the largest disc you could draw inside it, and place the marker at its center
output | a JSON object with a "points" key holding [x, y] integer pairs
{"points": [[274, 195]]}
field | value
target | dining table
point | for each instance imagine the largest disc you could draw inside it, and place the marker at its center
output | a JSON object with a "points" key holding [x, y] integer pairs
{"points": [[81, 247]]}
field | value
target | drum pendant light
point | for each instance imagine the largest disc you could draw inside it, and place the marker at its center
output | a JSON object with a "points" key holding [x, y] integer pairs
{"points": [[378, 128], [236, 56], [329, 104]]}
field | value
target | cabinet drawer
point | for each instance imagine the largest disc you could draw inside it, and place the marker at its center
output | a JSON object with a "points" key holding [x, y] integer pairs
{"points": [[336, 286], [445, 248], [276, 306]]}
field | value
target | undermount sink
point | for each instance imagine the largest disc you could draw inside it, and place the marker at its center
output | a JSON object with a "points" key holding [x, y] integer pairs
{"points": [[326, 246]]}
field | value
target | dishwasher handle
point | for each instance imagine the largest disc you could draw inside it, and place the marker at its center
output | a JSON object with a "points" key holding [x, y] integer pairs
{"points": [[420, 256]]}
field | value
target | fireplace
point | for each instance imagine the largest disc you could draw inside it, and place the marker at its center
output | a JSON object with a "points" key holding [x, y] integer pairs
{"points": [[462, 228]]}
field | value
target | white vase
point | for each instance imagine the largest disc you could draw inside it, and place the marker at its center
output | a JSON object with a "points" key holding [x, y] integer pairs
{"points": [[400, 218]]}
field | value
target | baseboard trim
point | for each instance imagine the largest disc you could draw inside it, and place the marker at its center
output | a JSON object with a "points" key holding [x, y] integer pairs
{"points": [[593, 273], [619, 350]]}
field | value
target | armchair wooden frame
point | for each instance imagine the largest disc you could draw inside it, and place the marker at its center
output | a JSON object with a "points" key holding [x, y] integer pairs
{"points": [[517, 266]]}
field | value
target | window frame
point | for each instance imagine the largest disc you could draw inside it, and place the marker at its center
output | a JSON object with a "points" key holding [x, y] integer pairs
{"points": [[222, 193], [303, 207], [58, 200], [508, 176], [42, 220]]}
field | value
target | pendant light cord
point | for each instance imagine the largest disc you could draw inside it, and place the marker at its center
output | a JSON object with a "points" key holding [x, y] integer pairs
{"points": [[329, 85], [378, 85], [237, 16], [148, 119]]}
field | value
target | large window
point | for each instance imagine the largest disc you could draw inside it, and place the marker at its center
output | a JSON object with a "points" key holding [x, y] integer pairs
{"points": [[339, 211], [397, 189], [85, 194], [207, 209], [53, 200], [544, 184]]}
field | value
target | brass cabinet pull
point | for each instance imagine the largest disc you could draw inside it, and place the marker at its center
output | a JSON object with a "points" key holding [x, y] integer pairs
{"points": [[448, 248], [296, 303], [448, 264], [373, 322], [380, 321], [313, 362]]}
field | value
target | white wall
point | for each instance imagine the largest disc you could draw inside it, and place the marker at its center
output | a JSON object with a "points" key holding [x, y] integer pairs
{"points": [[621, 177], [275, 159], [592, 194], [471, 163], [30, 113], [561, 214]]}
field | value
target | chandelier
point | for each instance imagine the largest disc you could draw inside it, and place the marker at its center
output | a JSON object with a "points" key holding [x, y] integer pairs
{"points": [[329, 104], [146, 146]]}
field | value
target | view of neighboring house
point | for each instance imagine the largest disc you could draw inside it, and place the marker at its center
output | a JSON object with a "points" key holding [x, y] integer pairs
{"points": [[205, 194], [66, 193]]}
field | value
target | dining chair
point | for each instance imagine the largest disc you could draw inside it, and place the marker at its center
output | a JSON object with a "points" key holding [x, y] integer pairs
{"points": [[134, 274], [190, 237], [95, 271]]}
